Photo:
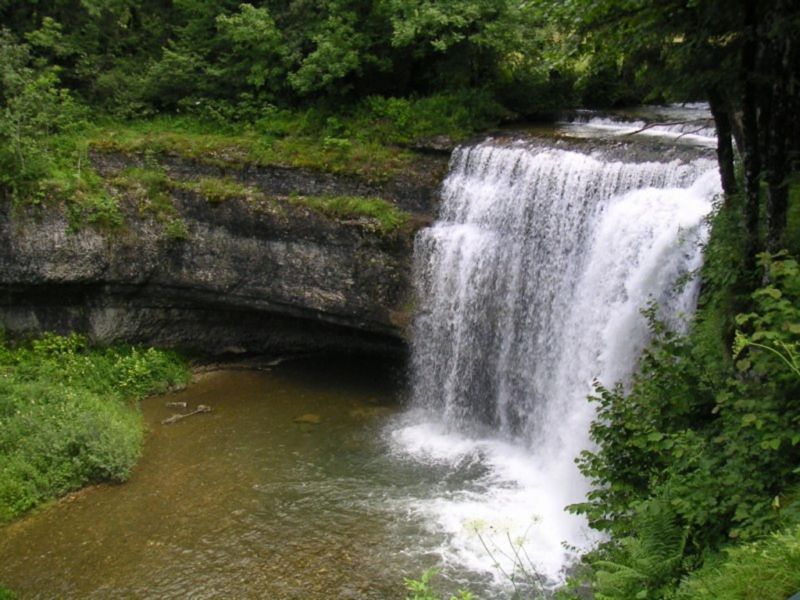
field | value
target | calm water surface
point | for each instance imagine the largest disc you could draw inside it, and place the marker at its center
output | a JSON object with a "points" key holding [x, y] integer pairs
{"points": [[244, 502]]}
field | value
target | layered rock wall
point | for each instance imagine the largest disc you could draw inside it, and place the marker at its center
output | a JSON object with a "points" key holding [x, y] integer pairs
{"points": [[250, 277]]}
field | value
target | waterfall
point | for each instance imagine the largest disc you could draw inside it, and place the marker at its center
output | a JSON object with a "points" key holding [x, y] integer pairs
{"points": [[530, 286]]}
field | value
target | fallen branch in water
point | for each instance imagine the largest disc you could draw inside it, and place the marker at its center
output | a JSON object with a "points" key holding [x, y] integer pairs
{"points": [[704, 120], [201, 408]]}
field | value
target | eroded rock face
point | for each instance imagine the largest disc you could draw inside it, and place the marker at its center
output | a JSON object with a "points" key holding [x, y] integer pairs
{"points": [[249, 278]]}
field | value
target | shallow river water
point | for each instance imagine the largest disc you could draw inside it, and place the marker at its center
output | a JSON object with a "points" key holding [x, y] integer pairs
{"points": [[244, 502]]}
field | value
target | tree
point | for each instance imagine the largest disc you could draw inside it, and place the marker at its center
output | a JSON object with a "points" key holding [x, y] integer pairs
{"points": [[742, 57]]}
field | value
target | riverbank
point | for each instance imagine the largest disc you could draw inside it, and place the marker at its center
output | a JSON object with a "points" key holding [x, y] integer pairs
{"points": [[70, 415]]}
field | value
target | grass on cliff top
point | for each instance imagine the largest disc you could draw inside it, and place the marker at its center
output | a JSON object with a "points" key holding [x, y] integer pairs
{"points": [[69, 417], [237, 146], [368, 140]]}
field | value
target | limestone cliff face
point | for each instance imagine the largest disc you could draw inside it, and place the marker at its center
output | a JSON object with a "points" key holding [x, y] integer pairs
{"points": [[254, 277]]}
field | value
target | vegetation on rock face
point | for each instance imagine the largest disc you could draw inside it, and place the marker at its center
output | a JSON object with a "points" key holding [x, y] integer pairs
{"points": [[151, 189], [386, 216], [69, 417]]}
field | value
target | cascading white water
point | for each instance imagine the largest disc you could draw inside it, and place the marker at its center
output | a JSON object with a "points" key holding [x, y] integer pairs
{"points": [[530, 286]]}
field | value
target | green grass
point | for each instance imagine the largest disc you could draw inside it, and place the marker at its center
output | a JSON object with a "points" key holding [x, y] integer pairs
{"points": [[6, 594], [386, 217], [218, 189], [368, 141], [237, 146], [68, 415], [151, 188], [768, 570]]}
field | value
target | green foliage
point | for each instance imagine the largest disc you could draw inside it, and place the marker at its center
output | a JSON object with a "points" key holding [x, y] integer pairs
{"points": [[217, 190], [131, 58], [421, 589], [774, 325], [33, 109], [6, 594], [768, 569], [253, 35], [705, 436], [67, 415], [403, 121], [382, 215], [645, 565]]}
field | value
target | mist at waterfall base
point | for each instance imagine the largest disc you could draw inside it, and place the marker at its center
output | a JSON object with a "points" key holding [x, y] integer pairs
{"points": [[530, 286]]}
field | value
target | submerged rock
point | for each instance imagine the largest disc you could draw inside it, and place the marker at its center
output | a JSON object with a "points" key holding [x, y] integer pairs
{"points": [[308, 418]]}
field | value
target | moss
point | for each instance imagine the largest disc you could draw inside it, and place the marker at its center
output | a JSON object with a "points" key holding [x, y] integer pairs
{"points": [[218, 189], [385, 216], [176, 230]]}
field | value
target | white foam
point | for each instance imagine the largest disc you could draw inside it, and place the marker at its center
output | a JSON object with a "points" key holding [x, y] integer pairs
{"points": [[508, 519]]}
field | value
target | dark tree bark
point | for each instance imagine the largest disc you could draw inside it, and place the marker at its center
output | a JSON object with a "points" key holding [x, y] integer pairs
{"points": [[724, 143], [751, 156], [778, 143]]}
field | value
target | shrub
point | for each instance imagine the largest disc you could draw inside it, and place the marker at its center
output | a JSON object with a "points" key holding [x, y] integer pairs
{"points": [[67, 416]]}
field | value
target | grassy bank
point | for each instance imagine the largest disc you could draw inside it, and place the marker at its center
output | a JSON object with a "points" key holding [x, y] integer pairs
{"points": [[69, 417]]}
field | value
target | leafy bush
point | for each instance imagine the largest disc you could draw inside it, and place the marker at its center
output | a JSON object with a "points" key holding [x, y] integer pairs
{"points": [[67, 417], [403, 120], [33, 108]]}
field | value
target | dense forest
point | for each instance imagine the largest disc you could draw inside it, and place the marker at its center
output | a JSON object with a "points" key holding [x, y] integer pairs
{"points": [[696, 473]]}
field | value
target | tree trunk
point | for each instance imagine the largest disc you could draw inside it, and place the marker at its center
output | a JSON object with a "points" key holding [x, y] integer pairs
{"points": [[751, 156], [778, 142], [724, 144]]}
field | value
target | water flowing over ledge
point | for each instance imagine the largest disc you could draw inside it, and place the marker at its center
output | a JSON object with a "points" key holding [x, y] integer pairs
{"points": [[530, 286]]}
